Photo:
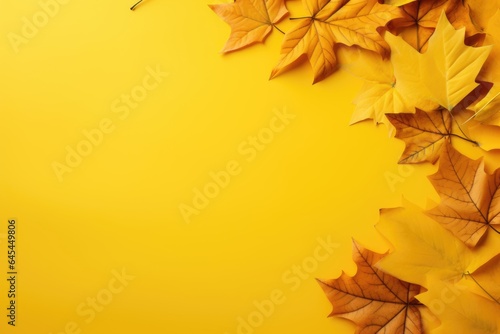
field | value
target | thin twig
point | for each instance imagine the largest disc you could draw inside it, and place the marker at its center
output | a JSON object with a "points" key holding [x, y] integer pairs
{"points": [[465, 137], [136, 4], [281, 31], [479, 285], [482, 108], [494, 229]]}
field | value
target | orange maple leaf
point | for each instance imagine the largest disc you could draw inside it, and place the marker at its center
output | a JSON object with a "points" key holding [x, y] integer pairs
{"points": [[421, 17], [470, 198], [353, 22], [424, 134], [375, 301], [250, 20]]}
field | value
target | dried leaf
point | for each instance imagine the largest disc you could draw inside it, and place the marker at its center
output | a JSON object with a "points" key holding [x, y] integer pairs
{"points": [[481, 11], [451, 67], [424, 134], [375, 100], [375, 301], [380, 93], [250, 20], [420, 19], [423, 250], [353, 22], [447, 71], [470, 198], [461, 311], [487, 110], [485, 281], [405, 61]]}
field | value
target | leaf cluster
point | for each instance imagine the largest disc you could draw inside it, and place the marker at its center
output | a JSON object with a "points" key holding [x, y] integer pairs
{"points": [[431, 72]]}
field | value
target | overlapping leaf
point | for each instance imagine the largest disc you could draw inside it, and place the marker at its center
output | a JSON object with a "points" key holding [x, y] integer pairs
{"points": [[446, 72], [461, 311], [420, 19], [375, 301], [487, 110], [481, 11], [353, 22], [423, 250], [380, 93], [424, 134], [485, 280], [470, 198], [250, 20], [449, 251]]}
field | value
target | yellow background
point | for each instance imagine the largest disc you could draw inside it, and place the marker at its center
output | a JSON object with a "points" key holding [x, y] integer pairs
{"points": [[119, 209]]}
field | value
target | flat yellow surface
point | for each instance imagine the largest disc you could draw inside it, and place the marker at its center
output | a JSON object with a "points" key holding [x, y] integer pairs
{"points": [[161, 187]]}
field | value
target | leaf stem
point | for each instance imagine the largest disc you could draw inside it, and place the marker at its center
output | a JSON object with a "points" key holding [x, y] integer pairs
{"points": [[301, 18], [479, 285], [136, 4], [494, 229], [464, 138], [281, 31]]}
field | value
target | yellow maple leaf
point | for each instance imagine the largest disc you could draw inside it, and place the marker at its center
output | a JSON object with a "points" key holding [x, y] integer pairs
{"points": [[353, 22], [481, 11], [485, 280], [421, 17], [461, 311], [445, 74], [250, 20], [486, 110], [380, 94], [423, 249], [405, 61]]}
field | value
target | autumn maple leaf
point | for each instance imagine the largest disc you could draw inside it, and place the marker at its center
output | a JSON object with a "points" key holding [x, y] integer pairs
{"points": [[487, 109], [420, 19], [446, 71], [379, 94], [461, 311], [353, 22], [424, 133], [470, 198], [250, 20], [375, 301]]}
